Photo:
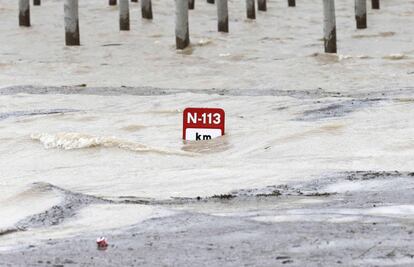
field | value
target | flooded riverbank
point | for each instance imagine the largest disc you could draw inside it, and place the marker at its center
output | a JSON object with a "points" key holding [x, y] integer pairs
{"points": [[118, 145], [316, 167]]}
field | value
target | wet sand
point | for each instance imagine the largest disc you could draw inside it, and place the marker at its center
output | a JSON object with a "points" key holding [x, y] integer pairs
{"points": [[300, 225]]}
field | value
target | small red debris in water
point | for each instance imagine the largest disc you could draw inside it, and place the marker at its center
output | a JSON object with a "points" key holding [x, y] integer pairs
{"points": [[102, 243]]}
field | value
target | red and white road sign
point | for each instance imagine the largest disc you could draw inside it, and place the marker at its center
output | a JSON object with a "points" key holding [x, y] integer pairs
{"points": [[203, 123]]}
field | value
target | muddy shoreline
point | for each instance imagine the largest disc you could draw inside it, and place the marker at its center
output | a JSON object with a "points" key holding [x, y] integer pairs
{"points": [[255, 227], [156, 91]]}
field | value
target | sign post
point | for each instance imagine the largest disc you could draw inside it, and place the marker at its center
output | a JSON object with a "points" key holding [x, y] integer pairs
{"points": [[203, 123]]}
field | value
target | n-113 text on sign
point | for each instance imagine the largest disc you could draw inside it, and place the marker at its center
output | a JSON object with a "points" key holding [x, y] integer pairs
{"points": [[203, 123]]}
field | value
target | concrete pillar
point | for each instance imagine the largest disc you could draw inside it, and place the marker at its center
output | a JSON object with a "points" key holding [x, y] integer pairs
{"points": [[190, 4], [124, 15], [375, 4], [261, 5], [361, 14], [24, 13], [71, 22], [223, 16], [146, 9], [182, 35], [329, 26], [250, 9]]}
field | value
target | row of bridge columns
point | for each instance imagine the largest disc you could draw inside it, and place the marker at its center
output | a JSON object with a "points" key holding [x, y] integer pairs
{"points": [[182, 7]]}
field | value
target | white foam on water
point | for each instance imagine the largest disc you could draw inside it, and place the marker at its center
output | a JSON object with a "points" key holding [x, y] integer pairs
{"points": [[395, 56], [69, 141]]}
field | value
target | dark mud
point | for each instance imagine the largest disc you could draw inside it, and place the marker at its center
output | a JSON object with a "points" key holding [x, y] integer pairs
{"points": [[10, 231], [364, 175], [70, 205], [194, 237], [24, 113], [153, 91], [338, 109], [315, 187]]}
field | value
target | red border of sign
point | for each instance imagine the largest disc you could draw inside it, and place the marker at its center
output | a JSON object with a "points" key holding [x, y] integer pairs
{"points": [[200, 124]]}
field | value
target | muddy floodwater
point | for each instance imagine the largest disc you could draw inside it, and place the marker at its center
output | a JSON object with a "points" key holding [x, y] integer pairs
{"points": [[316, 167], [305, 178], [281, 49]]}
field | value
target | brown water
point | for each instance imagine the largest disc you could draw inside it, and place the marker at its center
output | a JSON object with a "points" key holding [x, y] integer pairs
{"points": [[282, 49], [115, 146]]}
